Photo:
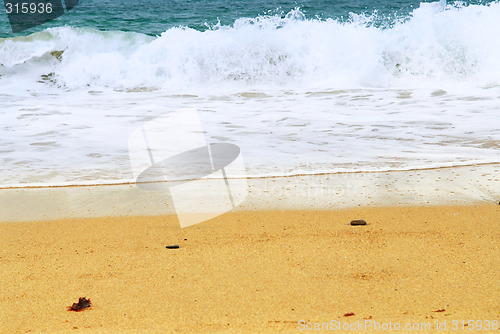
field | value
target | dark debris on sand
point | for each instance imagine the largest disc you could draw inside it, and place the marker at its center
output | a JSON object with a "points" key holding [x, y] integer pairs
{"points": [[82, 304], [358, 222]]}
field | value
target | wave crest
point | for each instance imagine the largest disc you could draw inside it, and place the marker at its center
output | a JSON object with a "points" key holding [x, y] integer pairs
{"points": [[436, 44]]}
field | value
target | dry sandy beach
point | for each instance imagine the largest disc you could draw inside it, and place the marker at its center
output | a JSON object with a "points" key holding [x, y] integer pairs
{"points": [[259, 270]]}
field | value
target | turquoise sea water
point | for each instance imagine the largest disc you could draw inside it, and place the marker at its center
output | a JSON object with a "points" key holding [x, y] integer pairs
{"points": [[300, 87]]}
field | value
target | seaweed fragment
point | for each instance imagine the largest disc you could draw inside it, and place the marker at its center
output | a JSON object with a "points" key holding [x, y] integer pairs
{"points": [[82, 304]]}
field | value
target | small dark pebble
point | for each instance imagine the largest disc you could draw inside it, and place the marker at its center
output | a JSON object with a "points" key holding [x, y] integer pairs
{"points": [[172, 246], [358, 222], [350, 314], [82, 304]]}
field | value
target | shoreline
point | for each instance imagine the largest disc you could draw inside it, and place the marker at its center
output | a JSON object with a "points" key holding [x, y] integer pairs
{"points": [[120, 183], [464, 185], [252, 271]]}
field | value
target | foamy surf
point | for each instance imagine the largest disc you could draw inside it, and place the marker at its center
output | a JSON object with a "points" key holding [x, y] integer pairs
{"points": [[298, 95]]}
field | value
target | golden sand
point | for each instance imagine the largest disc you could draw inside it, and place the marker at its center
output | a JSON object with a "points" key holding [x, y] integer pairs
{"points": [[253, 271]]}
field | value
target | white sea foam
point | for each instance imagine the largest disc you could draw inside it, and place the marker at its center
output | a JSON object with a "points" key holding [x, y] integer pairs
{"points": [[297, 95], [435, 45]]}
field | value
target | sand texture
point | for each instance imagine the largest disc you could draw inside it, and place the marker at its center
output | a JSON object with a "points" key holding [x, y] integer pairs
{"points": [[252, 271]]}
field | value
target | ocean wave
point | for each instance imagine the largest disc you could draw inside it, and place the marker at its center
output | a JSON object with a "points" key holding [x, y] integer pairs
{"points": [[436, 44]]}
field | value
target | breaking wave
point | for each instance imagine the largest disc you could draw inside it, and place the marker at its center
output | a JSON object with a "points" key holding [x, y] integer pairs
{"points": [[436, 44]]}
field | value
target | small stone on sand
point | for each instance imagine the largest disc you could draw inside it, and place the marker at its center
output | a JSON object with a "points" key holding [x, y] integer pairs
{"points": [[172, 246], [358, 222]]}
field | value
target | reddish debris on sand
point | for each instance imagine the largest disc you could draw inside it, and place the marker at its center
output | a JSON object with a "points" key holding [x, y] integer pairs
{"points": [[441, 310], [350, 314], [82, 304]]}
